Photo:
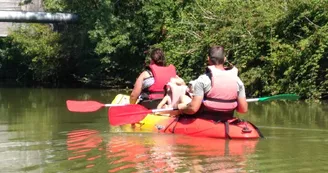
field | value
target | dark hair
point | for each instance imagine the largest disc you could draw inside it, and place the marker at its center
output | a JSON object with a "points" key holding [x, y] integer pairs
{"points": [[157, 55], [216, 54]]}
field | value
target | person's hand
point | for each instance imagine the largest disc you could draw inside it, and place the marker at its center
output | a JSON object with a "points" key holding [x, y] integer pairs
{"points": [[180, 107]]}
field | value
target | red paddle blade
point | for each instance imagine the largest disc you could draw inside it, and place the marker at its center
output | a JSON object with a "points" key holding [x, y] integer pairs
{"points": [[128, 114], [83, 106]]}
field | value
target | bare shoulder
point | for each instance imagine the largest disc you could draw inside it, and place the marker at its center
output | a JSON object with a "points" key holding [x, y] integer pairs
{"points": [[144, 75]]}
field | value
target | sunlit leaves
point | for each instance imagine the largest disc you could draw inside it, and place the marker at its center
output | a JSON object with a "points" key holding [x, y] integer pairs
{"points": [[278, 46]]}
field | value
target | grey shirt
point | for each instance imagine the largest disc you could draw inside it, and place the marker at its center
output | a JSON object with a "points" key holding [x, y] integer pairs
{"points": [[203, 85]]}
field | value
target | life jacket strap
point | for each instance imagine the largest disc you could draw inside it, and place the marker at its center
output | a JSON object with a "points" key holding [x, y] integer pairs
{"points": [[220, 100], [156, 92], [145, 94]]}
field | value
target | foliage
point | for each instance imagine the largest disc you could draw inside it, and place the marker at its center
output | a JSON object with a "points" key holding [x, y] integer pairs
{"points": [[26, 57], [278, 46]]}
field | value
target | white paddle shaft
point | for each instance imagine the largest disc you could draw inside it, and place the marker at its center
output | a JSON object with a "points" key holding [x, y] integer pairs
{"points": [[252, 100], [109, 105]]}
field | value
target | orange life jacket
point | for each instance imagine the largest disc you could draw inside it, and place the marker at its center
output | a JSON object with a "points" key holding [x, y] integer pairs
{"points": [[162, 76], [224, 92]]}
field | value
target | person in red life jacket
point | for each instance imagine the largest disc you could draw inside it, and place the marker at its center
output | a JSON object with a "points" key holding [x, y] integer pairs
{"points": [[218, 92], [149, 86]]}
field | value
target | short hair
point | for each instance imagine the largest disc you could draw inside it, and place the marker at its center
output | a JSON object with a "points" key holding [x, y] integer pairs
{"points": [[157, 55], [216, 54]]}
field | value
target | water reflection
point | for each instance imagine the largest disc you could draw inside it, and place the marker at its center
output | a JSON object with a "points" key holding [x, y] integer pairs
{"points": [[80, 142], [288, 114], [158, 153]]}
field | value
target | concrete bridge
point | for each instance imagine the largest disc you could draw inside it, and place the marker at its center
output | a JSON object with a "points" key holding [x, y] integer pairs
{"points": [[12, 14]]}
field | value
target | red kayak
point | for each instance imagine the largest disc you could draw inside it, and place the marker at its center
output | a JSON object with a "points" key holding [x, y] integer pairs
{"points": [[232, 129]]}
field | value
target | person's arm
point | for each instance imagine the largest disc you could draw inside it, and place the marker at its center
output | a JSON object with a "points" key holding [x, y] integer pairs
{"points": [[185, 99], [137, 88], [192, 107], [163, 102], [242, 106]]}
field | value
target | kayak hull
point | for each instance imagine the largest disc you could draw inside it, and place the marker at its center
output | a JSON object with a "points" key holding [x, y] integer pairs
{"points": [[187, 125]]}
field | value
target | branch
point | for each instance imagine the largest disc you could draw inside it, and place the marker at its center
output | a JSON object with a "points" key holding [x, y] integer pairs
{"points": [[311, 22], [195, 34], [249, 33], [191, 51], [206, 12]]}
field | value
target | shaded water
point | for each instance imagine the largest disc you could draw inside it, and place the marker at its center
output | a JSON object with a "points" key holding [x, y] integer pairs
{"points": [[39, 134]]}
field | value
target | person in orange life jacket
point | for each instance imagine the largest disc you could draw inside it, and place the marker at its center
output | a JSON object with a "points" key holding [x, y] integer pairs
{"points": [[218, 92], [176, 93], [191, 83], [149, 86]]}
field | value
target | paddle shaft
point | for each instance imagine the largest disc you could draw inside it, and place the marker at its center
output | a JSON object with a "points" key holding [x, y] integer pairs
{"points": [[109, 105], [252, 100], [163, 110], [275, 97]]}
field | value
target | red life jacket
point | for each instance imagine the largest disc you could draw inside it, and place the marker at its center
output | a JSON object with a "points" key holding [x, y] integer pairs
{"points": [[224, 92], [162, 76]]}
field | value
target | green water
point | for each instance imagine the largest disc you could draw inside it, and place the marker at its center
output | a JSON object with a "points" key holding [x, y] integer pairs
{"points": [[39, 134]]}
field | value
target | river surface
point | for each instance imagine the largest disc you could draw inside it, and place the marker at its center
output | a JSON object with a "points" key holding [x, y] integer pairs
{"points": [[39, 134]]}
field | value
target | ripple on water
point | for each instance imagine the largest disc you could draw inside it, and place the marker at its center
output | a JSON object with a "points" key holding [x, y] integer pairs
{"points": [[20, 156], [291, 150]]}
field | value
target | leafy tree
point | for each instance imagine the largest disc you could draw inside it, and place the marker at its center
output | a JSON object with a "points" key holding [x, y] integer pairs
{"points": [[278, 46]]}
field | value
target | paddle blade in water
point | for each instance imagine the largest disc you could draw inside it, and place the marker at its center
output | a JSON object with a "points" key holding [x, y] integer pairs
{"points": [[83, 106], [127, 114]]}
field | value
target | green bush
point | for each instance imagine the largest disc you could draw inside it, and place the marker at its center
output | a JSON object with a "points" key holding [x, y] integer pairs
{"points": [[278, 46]]}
